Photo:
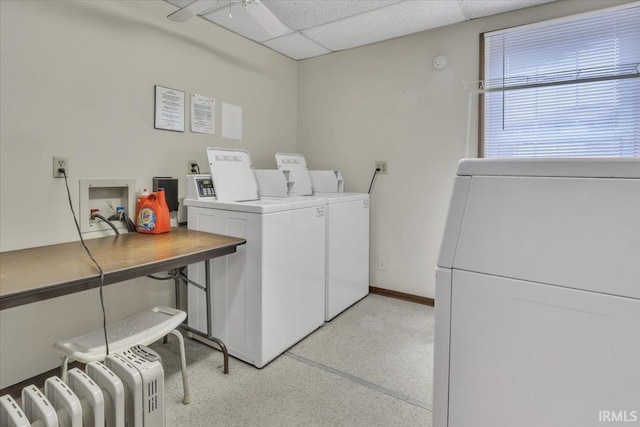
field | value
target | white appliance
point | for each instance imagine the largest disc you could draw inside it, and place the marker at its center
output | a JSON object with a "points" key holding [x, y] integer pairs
{"points": [[347, 233], [538, 295], [269, 294], [296, 165], [143, 383], [347, 240], [327, 181], [37, 408], [11, 415], [275, 183], [112, 391], [97, 397]]}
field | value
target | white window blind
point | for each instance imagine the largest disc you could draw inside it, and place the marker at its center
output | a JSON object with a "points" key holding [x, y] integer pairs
{"points": [[568, 88]]}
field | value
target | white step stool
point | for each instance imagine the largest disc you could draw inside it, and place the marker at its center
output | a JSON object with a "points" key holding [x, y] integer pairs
{"points": [[142, 328]]}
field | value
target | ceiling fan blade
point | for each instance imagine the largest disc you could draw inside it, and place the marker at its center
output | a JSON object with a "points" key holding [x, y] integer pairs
{"points": [[198, 7], [267, 20]]}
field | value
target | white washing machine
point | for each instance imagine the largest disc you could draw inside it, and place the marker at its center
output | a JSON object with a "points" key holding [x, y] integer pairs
{"points": [[347, 226], [347, 268], [347, 250], [270, 294]]}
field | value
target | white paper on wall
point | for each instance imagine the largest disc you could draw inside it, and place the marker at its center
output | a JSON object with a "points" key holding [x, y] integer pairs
{"points": [[203, 114], [231, 121]]}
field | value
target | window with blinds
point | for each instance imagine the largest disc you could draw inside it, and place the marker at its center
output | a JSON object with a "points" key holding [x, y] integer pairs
{"points": [[564, 88]]}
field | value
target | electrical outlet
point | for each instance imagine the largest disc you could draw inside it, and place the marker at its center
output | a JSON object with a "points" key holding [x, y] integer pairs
{"points": [[192, 169], [60, 162], [382, 263], [382, 165]]}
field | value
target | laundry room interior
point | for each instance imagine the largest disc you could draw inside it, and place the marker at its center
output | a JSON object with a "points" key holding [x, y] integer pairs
{"points": [[385, 122]]}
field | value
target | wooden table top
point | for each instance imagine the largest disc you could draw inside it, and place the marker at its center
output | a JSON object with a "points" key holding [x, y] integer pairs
{"points": [[35, 274]]}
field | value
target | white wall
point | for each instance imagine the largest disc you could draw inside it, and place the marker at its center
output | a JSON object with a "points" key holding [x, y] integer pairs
{"points": [[77, 80], [386, 102]]}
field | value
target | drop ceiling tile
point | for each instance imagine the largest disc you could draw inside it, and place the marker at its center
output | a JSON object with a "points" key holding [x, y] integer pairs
{"points": [[296, 46], [300, 15], [330, 25], [396, 20], [241, 22], [182, 3], [479, 8]]}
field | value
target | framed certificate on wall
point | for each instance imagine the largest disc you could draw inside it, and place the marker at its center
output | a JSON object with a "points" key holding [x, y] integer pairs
{"points": [[169, 109]]}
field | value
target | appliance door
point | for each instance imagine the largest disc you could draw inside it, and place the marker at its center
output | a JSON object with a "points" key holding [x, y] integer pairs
{"points": [[348, 255], [574, 232], [527, 354], [441, 347], [293, 278], [235, 282]]}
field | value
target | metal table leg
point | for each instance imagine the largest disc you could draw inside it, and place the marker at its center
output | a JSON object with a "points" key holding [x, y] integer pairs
{"points": [[181, 277]]}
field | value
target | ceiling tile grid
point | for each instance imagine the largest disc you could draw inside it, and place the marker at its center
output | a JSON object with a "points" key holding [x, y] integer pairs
{"points": [[316, 27], [296, 46], [478, 8], [396, 20], [234, 17], [301, 15]]}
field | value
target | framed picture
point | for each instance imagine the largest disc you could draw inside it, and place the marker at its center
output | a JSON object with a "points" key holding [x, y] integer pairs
{"points": [[169, 111]]}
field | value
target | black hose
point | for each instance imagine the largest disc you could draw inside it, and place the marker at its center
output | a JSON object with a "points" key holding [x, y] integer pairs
{"points": [[128, 222], [97, 215]]}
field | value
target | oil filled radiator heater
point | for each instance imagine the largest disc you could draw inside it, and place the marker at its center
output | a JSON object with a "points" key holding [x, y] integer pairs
{"points": [[126, 390]]}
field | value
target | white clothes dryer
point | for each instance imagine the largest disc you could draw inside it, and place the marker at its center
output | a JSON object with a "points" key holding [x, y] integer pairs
{"points": [[347, 250], [537, 294], [347, 228]]}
